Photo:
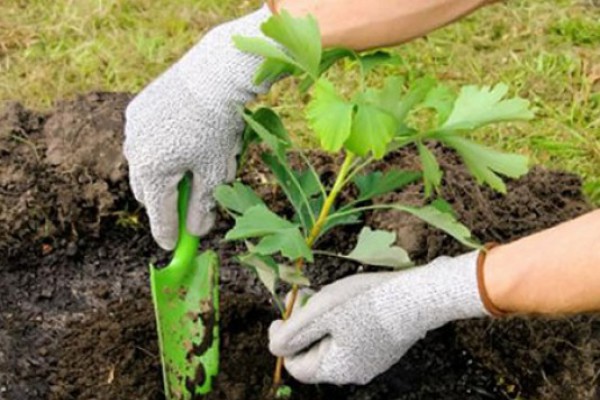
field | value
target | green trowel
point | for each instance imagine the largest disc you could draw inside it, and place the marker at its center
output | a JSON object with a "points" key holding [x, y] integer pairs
{"points": [[186, 303]]}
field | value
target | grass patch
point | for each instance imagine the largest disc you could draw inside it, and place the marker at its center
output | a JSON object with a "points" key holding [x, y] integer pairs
{"points": [[548, 52]]}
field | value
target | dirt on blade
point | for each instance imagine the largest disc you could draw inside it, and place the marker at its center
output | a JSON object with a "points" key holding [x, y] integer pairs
{"points": [[76, 318]]}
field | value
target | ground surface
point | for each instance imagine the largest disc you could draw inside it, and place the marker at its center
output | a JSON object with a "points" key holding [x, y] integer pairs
{"points": [[548, 52], [77, 323]]}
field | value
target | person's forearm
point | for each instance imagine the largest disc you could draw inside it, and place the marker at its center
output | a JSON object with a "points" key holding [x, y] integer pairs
{"points": [[365, 24], [556, 271]]}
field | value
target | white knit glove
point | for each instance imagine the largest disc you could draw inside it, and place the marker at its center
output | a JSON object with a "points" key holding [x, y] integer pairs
{"points": [[188, 120], [358, 327]]}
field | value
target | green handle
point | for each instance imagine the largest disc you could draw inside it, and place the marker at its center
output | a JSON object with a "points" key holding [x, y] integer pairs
{"points": [[186, 301], [187, 244]]}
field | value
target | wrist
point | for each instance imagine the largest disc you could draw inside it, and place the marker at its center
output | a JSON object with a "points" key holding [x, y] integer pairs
{"points": [[503, 275]]}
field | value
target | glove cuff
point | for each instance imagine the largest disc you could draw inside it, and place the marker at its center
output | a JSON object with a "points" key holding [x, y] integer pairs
{"points": [[444, 290]]}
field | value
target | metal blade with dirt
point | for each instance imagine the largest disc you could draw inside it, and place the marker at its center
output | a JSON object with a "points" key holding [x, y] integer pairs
{"points": [[186, 303]]}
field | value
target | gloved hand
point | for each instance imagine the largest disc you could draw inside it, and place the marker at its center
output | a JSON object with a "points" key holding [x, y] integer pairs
{"points": [[358, 327], [188, 120]]}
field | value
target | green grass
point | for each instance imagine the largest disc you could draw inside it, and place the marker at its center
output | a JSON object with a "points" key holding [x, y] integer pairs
{"points": [[548, 52]]}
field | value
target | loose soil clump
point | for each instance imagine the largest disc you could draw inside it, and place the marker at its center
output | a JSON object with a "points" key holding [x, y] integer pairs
{"points": [[76, 318]]}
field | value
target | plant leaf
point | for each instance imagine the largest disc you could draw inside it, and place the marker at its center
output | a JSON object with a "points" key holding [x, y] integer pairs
{"points": [[300, 37], [388, 97], [328, 59], [431, 169], [265, 267], [258, 221], [334, 221], [236, 197], [445, 221], [484, 162], [443, 206], [308, 182], [271, 70], [269, 119], [477, 106], [295, 194], [276, 60], [289, 242], [376, 248], [292, 276], [277, 145], [379, 57], [330, 116], [376, 183], [372, 131], [441, 98], [416, 94]]}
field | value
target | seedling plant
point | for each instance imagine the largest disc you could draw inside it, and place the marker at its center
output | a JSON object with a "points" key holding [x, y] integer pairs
{"points": [[365, 125]]}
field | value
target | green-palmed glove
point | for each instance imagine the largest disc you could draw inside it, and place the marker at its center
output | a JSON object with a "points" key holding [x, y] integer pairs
{"points": [[188, 120], [358, 327]]}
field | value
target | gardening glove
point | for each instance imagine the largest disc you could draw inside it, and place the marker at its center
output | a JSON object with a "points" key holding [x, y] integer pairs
{"points": [[358, 327], [188, 120]]}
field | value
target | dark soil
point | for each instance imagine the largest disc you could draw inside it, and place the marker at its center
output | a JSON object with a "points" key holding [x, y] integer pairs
{"points": [[76, 319]]}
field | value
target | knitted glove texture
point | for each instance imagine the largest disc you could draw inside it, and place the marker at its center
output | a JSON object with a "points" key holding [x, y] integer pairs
{"points": [[188, 120], [358, 327]]}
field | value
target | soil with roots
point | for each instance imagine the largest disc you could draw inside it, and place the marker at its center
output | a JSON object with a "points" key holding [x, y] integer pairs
{"points": [[76, 317]]}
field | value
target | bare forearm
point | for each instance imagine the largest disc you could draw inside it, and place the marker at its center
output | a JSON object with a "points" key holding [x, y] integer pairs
{"points": [[556, 271], [365, 24]]}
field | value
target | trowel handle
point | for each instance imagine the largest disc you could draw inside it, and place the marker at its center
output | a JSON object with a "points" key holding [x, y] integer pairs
{"points": [[187, 244]]}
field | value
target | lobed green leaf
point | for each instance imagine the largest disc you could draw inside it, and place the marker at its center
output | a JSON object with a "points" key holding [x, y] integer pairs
{"points": [[375, 247], [330, 116], [377, 183], [265, 268], [236, 197], [372, 131], [289, 242], [440, 98], [299, 36], [258, 221], [484, 162], [444, 221], [479, 106]]}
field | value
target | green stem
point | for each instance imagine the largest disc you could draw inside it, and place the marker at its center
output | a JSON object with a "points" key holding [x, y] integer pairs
{"points": [[314, 234], [329, 201], [367, 208], [359, 168]]}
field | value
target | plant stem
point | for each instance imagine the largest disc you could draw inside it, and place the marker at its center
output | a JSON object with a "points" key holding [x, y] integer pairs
{"points": [[310, 240]]}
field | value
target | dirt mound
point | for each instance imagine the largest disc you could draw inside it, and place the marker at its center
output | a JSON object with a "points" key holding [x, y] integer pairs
{"points": [[76, 320], [64, 170]]}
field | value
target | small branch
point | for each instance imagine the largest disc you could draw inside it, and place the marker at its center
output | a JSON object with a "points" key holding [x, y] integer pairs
{"points": [[314, 233], [358, 168]]}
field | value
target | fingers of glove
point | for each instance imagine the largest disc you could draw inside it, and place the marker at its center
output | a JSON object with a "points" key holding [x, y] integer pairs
{"points": [[136, 187], [161, 204], [200, 219], [308, 323], [305, 366], [286, 338]]}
